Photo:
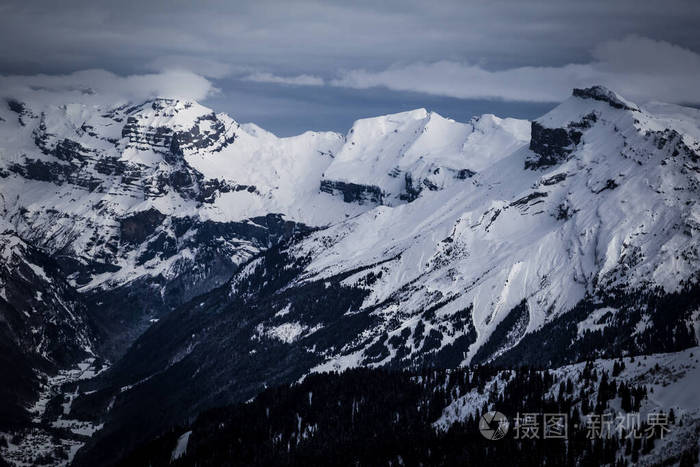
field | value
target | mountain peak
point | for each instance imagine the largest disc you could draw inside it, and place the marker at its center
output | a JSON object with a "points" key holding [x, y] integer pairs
{"points": [[603, 94], [555, 135], [583, 104]]}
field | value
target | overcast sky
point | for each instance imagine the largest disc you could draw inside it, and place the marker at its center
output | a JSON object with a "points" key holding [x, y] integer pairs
{"points": [[291, 66]]}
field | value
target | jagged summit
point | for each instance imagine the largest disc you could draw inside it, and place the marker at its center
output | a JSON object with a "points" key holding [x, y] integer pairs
{"points": [[399, 156], [603, 94], [601, 114], [585, 103]]}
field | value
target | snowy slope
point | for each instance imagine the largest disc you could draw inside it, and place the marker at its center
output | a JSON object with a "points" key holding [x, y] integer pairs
{"points": [[71, 172], [157, 202], [413, 240], [599, 207], [667, 378], [404, 153], [604, 195], [569, 238], [610, 200], [153, 203], [40, 311]]}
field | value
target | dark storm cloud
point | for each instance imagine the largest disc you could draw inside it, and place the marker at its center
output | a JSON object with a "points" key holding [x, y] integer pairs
{"points": [[305, 37], [638, 67], [532, 51]]}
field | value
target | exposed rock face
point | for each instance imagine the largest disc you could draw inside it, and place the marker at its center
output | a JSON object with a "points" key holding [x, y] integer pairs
{"points": [[54, 172], [77, 165], [215, 139], [158, 137], [463, 174], [20, 108], [205, 132], [16, 106], [371, 194], [552, 145], [411, 192], [138, 227], [353, 192], [530, 197], [603, 94]]}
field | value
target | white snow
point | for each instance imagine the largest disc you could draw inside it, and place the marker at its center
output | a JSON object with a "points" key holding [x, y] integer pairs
{"points": [[285, 332], [670, 379], [597, 320], [381, 151], [484, 242], [181, 446]]}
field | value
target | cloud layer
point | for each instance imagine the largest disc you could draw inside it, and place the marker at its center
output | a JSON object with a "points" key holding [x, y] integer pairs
{"points": [[292, 66], [637, 67], [100, 86], [298, 80], [318, 38]]}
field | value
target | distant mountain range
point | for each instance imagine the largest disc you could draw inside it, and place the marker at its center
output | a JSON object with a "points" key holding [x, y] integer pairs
{"points": [[186, 261]]}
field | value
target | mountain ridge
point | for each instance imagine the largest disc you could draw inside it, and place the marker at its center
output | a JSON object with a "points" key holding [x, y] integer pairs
{"points": [[250, 260]]}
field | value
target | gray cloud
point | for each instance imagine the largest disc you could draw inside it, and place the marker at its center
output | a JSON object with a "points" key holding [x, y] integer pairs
{"points": [[203, 66], [100, 86], [325, 57], [298, 80], [637, 67], [319, 38]]}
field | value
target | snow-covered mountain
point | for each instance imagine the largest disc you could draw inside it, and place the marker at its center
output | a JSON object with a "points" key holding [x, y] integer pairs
{"points": [[161, 201], [248, 260], [395, 157], [43, 324], [605, 198]]}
